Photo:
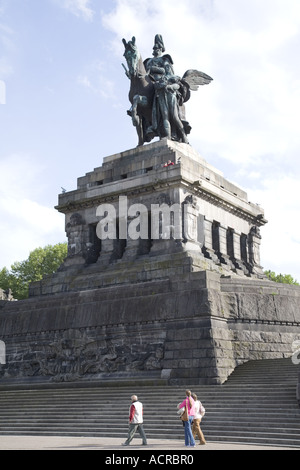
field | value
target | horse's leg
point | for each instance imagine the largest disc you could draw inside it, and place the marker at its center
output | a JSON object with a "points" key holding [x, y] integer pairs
{"points": [[138, 100], [141, 101], [134, 115], [136, 120], [140, 132]]}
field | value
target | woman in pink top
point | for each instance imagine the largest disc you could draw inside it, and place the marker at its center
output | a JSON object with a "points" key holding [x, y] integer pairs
{"points": [[190, 404]]}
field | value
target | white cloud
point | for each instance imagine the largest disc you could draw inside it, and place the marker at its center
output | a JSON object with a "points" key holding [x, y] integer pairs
{"points": [[281, 235], [96, 79], [25, 223], [79, 8]]}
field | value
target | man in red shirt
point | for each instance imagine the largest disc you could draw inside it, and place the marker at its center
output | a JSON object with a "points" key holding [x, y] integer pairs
{"points": [[169, 163], [135, 421]]}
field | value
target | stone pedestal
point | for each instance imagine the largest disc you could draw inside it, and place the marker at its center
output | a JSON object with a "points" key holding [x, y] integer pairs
{"points": [[162, 281], [152, 210]]}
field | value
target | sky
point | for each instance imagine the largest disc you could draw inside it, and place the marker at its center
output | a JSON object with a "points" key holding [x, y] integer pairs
{"points": [[64, 97]]}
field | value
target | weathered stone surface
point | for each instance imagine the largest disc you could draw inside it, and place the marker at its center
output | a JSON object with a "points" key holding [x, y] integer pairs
{"points": [[191, 329], [185, 310]]}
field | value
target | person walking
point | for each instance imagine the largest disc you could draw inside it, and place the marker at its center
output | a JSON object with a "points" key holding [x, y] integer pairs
{"points": [[196, 430], [135, 421], [189, 404]]}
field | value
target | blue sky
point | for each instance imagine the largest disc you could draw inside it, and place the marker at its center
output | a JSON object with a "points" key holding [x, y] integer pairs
{"points": [[66, 101]]}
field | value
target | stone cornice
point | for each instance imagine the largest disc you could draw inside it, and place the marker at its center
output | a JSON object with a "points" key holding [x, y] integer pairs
{"points": [[236, 209], [162, 180]]}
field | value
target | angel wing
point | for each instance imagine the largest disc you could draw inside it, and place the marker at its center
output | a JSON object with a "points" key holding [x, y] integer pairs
{"points": [[194, 79]]}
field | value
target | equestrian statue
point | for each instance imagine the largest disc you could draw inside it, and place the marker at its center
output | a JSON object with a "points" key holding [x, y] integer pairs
{"points": [[157, 95]]}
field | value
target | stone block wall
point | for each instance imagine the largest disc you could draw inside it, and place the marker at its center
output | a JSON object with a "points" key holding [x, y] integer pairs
{"points": [[158, 330], [193, 329], [264, 318]]}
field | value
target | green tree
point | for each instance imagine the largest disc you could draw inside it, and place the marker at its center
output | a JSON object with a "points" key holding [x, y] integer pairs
{"points": [[40, 263], [282, 278]]}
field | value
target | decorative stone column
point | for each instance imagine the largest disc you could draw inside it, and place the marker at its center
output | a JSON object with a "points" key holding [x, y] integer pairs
{"points": [[76, 233], [137, 231], [166, 226], [208, 249], [223, 255], [190, 224], [254, 251], [236, 255], [107, 252], [245, 251]]}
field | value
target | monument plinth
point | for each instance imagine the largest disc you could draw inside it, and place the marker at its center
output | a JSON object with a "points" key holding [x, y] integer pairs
{"points": [[162, 281], [176, 217]]}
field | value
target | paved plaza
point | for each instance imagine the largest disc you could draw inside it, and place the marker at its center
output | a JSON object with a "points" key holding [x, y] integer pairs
{"points": [[108, 444]]}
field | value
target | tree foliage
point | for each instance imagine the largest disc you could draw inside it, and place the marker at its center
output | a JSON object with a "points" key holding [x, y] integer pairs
{"points": [[40, 263], [282, 278]]}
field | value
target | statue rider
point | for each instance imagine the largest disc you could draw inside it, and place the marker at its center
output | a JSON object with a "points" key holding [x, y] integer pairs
{"points": [[168, 118]]}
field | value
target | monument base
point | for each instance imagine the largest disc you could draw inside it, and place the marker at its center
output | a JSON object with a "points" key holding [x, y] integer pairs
{"points": [[184, 304], [192, 329]]}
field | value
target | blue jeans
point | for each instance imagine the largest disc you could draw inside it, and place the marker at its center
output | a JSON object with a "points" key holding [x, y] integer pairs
{"points": [[189, 440]]}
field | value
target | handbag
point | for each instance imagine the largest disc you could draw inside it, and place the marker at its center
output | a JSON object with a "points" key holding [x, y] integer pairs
{"points": [[185, 414], [202, 410]]}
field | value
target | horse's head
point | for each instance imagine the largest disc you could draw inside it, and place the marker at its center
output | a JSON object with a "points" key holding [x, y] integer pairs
{"points": [[132, 56]]}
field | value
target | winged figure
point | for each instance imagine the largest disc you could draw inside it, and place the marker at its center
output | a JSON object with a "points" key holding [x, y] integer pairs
{"points": [[194, 79]]}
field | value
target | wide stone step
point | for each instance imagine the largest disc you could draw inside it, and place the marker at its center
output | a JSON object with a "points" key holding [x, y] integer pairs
{"points": [[167, 429], [256, 405], [292, 428]]}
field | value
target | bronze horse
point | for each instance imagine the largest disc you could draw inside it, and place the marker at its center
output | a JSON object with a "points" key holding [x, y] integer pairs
{"points": [[141, 92]]}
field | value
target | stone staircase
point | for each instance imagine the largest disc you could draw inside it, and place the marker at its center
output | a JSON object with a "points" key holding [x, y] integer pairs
{"points": [[257, 405]]}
